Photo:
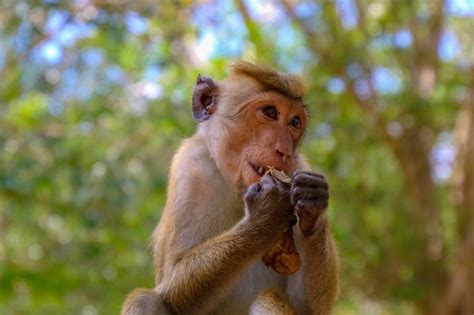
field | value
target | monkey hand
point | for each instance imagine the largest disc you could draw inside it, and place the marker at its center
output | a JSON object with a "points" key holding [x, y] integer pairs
{"points": [[269, 206], [309, 196]]}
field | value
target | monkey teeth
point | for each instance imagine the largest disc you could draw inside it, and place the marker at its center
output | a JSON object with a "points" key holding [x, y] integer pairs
{"points": [[260, 170]]}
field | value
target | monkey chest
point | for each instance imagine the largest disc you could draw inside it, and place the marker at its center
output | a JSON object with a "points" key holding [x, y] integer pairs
{"points": [[257, 279]]}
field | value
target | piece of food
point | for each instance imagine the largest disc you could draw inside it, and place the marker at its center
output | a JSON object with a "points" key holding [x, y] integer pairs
{"points": [[280, 175], [282, 256]]}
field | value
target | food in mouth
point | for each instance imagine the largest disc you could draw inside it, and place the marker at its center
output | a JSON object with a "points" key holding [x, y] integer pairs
{"points": [[282, 255], [280, 175]]}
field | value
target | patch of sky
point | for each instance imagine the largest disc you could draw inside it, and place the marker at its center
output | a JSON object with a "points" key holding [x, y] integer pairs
{"points": [[403, 38], [85, 127], [354, 70], [55, 107], [136, 24], [222, 40], [362, 88], [101, 17], [442, 157], [348, 12], [92, 57], [311, 13], [114, 74], [70, 33], [306, 56], [205, 45], [448, 47], [296, 59], [265, 11], [84, 91], [386, 81], [220, 32], [382, 41], [69, 80], [56, 20], [287, 36], [307, 9], [335, 85], [49, 52], [22, 38], [231, 47], [152, 73], [205, 14], [460, 7], [21, 9], [30, 74], [294, 64], [323, 130], [3, 55], [149, 90], [230, 39]]}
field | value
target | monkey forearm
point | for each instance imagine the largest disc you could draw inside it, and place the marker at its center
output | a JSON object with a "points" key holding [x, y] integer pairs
{"points": [[321, 269], [208, 269]]}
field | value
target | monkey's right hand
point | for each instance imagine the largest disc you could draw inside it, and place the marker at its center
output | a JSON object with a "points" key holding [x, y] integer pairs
{"points": [[268, 204]]}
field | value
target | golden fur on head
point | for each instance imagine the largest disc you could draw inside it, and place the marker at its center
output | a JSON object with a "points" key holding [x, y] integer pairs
{"points": [[287, 83]]}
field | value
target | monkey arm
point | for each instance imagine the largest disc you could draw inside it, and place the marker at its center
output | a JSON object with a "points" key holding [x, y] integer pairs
{"points": [[315, 288], [198, 278], [201, 246]]}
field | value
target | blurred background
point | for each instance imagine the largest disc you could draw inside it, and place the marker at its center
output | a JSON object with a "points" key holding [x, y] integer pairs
{"points": [[95, 98]]}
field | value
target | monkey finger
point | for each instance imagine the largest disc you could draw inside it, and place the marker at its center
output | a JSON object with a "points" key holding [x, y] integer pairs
{"points": [[311, 207], [308, 193], [252, 192], [309, 180], [268, 183], [309, 173], [283, 187]]}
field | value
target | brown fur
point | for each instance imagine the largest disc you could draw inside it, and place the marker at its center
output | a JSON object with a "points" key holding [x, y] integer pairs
{"points": [[208, 243], [289, 84], [271, 302]]}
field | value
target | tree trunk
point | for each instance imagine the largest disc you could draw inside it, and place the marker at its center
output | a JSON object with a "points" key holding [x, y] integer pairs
{"points": [[412, 153], [459, 296]]}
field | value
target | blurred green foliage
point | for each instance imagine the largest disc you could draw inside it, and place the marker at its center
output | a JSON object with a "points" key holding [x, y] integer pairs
{"points": [[95, 99]]}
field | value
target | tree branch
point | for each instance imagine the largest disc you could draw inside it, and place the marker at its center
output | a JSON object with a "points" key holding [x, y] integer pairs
{"points": [[426, 41]]}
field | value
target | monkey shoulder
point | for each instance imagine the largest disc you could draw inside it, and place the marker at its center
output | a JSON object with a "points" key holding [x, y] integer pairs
{"points": [[193, 169]]}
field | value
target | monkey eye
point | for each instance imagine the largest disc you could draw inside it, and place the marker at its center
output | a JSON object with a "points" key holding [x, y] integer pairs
{"points": [[296, 122], [270, 112]]}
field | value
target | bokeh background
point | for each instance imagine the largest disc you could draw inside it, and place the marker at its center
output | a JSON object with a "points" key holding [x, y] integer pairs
{"points": [[95, 98]]}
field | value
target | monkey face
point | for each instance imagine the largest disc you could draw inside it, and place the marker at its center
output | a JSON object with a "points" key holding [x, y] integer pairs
{"points": [[266, 134]]}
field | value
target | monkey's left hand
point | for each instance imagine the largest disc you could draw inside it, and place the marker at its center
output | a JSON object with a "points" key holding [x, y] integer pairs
{"points": [[309, 196]]}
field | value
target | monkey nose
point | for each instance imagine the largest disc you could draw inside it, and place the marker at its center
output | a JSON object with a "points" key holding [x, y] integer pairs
{"points": [[283, 154]]}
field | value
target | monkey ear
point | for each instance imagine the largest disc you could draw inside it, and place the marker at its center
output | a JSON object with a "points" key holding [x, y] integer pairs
{"points": [[204, 98]]}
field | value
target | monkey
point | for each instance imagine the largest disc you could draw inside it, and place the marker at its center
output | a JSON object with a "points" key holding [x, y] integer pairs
{"points": [[223, 212]]}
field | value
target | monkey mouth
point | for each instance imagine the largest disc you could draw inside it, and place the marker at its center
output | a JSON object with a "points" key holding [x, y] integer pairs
{"points": [[260, 170]]}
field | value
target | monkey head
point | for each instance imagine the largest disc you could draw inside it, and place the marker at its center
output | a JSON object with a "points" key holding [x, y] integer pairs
{"points": [[253, 119]]}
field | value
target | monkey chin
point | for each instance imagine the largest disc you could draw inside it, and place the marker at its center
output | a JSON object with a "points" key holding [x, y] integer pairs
{"points": [[250, 178]]}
